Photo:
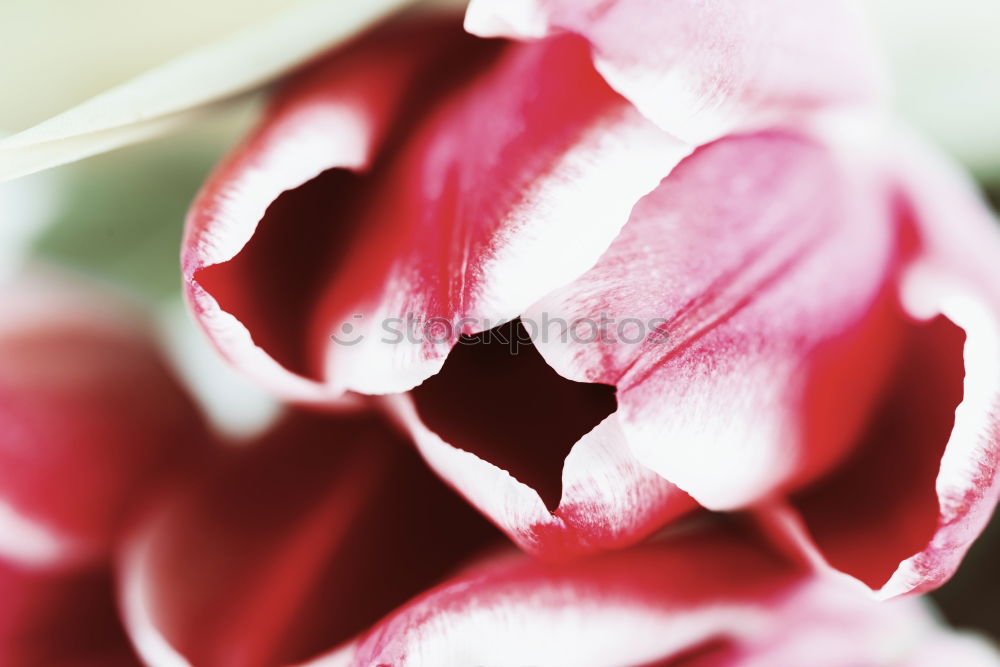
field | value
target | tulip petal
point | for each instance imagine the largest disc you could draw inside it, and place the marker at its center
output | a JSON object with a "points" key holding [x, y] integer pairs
{"points": [[333, 115], [543, 457], [625, 608], [607, 500], [477, 239], [291, 545], [702, 70], [66, 619], [169, 95], [902, 512], [91, 421], [736, 313], [880, 506], [701, 599], [956, 276], [458, 221]]}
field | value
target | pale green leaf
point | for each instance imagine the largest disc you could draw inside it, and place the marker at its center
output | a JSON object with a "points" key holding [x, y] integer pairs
{"points": [[166, 96]]}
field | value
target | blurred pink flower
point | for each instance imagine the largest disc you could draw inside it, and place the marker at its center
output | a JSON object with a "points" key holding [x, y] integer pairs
{"points": [[91, 421]]}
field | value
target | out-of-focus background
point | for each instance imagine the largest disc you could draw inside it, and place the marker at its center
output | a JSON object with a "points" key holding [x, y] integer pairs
{"points": [[119, 216]]}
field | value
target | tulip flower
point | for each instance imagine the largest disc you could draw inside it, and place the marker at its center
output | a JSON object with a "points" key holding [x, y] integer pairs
{"points": [[657, 292], [794, 259]]}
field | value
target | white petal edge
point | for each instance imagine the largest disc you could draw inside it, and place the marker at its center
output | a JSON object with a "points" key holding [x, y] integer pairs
{"points": [[150, 644], [598, 472], [30, 544], [287, 162], [969, 443], [492, 490], [926, 293], [548, 623], [237, 408], [623, 159]]}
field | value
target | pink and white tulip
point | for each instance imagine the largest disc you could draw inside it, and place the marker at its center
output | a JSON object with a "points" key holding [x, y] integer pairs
{"points": [[805, 427], [824, 295]]}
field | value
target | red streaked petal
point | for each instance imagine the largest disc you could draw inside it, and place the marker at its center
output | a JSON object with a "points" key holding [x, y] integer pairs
{"points": [[462, 215], [880, 507], [956, 275], [614, 609], [476, 227], [335, 114], [703, 70], [292, 545], [753, 274], [541, 456], [65, 619], [608, 500], [91, 421], [939, 483], [710, 597]]}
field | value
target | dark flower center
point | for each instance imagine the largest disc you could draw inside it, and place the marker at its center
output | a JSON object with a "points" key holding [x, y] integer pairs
{"points": [[497, 398]]}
